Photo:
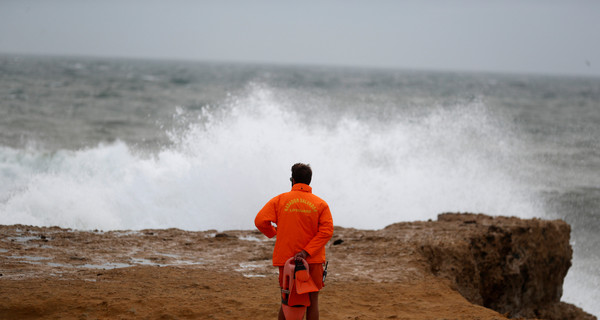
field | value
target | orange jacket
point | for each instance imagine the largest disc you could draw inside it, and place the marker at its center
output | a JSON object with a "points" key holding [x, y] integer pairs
{"points": [[303, 223]]}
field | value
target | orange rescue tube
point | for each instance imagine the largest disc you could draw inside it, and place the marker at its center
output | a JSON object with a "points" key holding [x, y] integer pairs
{"points": [[293, 304]]}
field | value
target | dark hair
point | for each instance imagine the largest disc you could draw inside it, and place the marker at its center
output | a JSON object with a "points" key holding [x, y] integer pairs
{"points": [[302, 173]]}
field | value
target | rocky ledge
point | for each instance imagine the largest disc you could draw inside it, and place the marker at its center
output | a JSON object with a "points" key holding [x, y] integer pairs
{"points": [[462, 266], [514, 266]]}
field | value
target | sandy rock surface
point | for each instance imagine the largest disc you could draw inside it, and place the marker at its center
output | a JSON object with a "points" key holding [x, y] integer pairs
{"points": [[412, 270]]}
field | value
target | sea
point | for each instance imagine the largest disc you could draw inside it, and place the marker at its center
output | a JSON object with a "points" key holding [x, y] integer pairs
{"points": [[114, 144]]}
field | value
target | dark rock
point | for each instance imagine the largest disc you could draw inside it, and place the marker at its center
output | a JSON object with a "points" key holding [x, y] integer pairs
{"points": [[77, 258], [511, 265], [222, 235]]}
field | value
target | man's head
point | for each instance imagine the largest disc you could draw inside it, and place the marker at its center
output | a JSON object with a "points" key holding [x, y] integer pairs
{"points": [[301, 173]]}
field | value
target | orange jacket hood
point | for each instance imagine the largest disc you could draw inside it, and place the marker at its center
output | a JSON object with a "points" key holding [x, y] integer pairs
{"points": [[303, 222]]}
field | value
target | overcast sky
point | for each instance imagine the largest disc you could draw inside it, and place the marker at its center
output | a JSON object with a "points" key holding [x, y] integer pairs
{"points": [[546, 36]]}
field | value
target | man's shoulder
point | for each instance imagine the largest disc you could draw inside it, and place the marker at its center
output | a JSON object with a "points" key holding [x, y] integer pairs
{"points": [[318, 199]]}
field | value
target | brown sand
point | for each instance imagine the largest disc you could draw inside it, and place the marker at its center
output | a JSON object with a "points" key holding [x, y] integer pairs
{"points": [[53, 273]]}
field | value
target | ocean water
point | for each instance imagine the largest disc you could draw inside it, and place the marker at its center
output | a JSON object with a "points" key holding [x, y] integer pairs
{"points": [[125, 144]]}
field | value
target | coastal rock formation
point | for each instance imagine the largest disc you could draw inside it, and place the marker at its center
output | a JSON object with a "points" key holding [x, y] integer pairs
{"points": [[511, 265], [463, 266], [514, 266]]}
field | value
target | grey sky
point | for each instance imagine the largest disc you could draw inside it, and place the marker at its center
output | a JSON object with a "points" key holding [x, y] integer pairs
{"points": [[555, 37]]}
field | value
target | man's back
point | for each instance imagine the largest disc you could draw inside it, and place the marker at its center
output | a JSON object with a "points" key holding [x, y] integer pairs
{"points": [[303, 223]]}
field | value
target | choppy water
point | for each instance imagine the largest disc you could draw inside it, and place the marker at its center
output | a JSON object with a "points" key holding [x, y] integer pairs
{"points": [[117, 144]]}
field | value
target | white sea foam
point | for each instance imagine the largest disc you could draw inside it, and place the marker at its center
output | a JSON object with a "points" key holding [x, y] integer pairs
{"points": [[227, 163]]}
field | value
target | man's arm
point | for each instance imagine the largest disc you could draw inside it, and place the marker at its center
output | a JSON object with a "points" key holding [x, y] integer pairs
{"points": [[323, 235], [264, 218]]}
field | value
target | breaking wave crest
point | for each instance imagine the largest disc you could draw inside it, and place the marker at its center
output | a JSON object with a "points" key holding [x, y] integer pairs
{"points": [[225, 162]]}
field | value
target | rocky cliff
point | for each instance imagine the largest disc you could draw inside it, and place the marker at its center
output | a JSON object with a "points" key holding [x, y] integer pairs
{"points": [[514, 266]]}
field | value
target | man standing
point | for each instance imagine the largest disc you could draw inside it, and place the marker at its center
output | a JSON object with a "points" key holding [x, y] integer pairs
{"points": [[303, 227]]}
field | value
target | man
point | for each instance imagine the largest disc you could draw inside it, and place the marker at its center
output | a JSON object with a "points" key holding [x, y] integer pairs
{"points": [[303, 227]]}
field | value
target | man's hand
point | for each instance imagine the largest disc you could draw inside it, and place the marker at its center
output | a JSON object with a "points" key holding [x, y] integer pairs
{"points": [[301, 255]]}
